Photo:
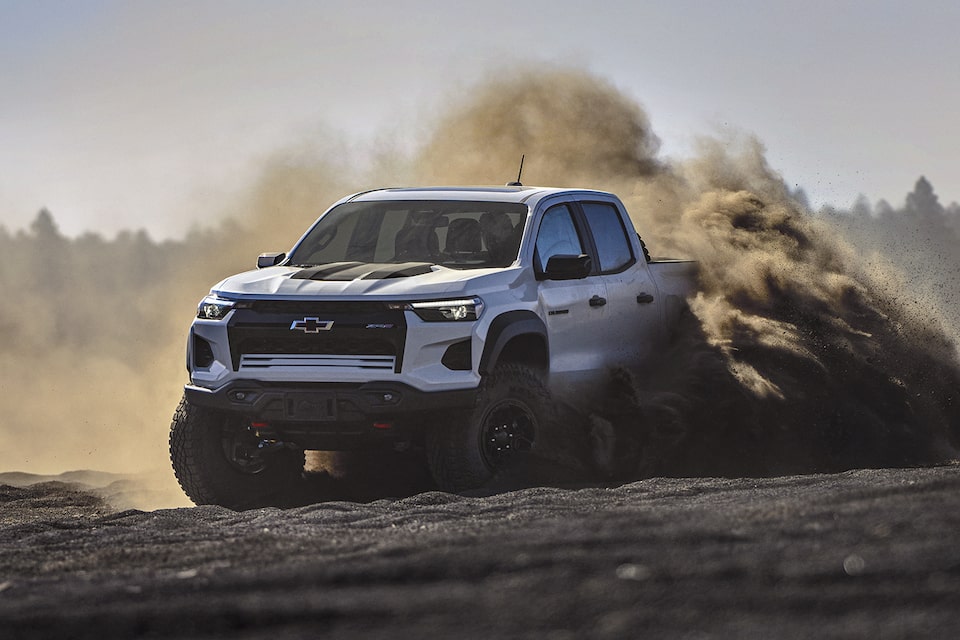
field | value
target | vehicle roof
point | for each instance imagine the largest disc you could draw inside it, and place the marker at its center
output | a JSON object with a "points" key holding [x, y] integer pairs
{"points": [[493, 194]]}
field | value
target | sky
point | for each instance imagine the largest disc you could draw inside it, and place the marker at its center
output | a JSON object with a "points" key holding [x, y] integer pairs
{"points": [[133, 114]]}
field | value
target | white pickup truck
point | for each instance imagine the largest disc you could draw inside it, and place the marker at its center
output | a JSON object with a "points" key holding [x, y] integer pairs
{"points": [[434, 317]]}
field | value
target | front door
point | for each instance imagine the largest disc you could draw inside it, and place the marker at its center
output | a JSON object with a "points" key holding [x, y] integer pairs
{"points": [[574, 313]]}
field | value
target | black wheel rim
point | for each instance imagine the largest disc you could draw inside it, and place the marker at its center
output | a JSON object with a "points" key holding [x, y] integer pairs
{"points": [[241, 449], [508, 428]]}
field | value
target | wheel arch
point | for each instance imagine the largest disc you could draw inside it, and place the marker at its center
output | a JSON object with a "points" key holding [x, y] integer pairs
{"points": [[516, 336]]}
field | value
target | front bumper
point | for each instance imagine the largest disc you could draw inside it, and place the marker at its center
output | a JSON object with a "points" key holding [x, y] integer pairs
{"points": [[331, 416]]}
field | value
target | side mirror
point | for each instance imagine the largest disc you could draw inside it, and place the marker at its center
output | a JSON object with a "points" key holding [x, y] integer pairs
{"points": [[568, 267], [270, 260]]}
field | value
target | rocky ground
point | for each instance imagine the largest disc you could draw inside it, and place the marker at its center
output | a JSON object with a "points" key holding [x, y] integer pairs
{"points": [[862, 554]]}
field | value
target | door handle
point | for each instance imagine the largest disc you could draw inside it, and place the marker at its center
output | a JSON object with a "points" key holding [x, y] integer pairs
{"points": [[644, 298], [597, 301]]}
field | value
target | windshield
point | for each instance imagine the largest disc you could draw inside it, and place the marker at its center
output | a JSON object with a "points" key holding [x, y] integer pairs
{"points": [[461, 235]]}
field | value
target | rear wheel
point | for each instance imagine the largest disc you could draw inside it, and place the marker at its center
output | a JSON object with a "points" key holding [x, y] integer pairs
{"points": [[511, 407], [218, 460]]}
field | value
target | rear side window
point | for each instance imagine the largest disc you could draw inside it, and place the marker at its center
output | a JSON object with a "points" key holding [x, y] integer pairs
{"points": [[610, 236]]}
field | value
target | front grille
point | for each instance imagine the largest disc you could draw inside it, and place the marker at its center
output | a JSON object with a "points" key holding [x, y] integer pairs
{"points": [[362, 336], [318, 307], [329, 362]]}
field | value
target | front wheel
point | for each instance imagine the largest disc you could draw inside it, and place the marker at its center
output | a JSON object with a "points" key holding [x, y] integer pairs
{"points": [[218, 461], [512, 406]]}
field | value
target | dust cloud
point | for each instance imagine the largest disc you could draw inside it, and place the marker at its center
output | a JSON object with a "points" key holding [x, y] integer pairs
{"points": [[921, 239], [92, 357], [798, 353]]}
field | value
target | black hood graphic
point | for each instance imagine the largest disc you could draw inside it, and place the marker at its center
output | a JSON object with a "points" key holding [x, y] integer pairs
{"points": [[346, 271]]}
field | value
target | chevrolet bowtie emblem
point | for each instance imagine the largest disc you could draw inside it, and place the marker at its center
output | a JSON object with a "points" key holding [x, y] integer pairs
{"points": [[311, 325]]}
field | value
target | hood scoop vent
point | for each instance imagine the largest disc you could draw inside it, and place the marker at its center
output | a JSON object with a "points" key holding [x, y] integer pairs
{"points": [[346, 271]]}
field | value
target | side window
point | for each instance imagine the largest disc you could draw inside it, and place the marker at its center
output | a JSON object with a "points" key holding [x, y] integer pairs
{"points": [[557, 235], [613, 246]]}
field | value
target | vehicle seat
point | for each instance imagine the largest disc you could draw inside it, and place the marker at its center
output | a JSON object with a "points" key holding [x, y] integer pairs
{"points": [[501, 240], [417, 242], [464, 237]]}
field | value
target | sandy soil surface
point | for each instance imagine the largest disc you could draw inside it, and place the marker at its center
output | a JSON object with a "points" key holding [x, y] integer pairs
{"points": [[860, 554]]}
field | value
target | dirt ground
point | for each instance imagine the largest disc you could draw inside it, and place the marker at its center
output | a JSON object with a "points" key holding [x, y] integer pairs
{"points": [[862, 554]]}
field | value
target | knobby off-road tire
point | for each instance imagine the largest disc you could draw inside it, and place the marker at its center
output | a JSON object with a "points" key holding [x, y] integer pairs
{"points": [[200, 439], [512, 405]]}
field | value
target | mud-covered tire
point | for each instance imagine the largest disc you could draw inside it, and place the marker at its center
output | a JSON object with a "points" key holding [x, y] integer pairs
{"points": [[207, 476], [512, 405]]}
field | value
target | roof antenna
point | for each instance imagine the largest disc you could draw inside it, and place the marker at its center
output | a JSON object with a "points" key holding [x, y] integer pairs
{"points": [[519, 173]]}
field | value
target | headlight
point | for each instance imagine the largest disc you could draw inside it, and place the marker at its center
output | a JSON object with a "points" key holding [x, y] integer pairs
{"points": [[214, 307], [466, 309]]}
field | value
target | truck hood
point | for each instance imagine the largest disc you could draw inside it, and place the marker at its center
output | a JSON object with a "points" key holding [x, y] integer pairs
{"points": [[355, 280]]}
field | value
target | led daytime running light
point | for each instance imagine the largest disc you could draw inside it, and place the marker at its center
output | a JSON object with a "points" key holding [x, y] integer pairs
{"points": [[214, 308], [462, 309]]}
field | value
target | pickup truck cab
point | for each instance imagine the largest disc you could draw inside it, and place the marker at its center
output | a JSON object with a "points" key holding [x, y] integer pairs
{"points": [[442, 317]]}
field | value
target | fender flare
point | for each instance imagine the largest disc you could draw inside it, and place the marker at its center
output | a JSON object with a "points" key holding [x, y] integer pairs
{"points": [[503, 329]]}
